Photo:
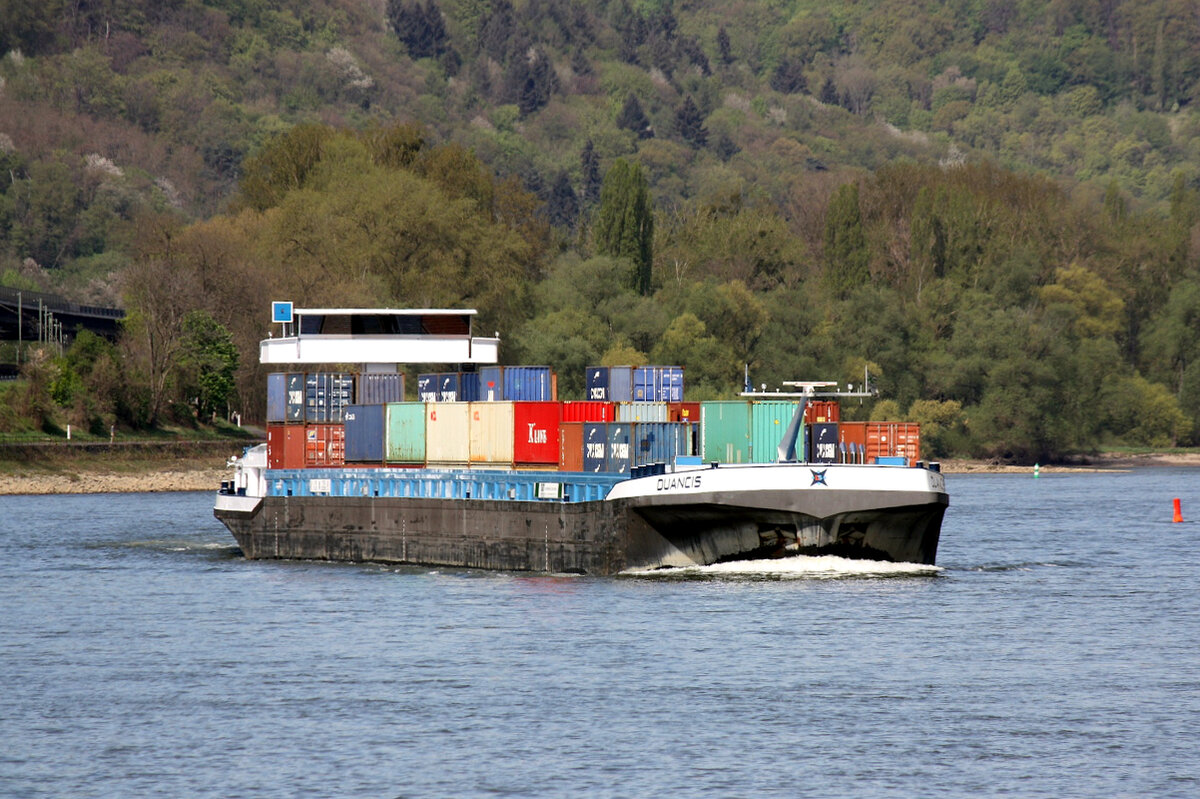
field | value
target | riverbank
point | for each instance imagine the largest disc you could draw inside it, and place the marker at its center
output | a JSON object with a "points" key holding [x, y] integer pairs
{"points": [[204, 471]]}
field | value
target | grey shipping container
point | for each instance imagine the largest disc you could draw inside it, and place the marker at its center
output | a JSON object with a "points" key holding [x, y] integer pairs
{"points": [[659, 442], [276, 398], [364, 433], [378, 388]]}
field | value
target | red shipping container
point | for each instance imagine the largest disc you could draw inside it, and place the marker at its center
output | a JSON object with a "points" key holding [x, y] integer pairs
{"points": [[570, 446], [589, 411], [324, 445], [683, 412], [285, 446], [818, 411], [893, 439], [535, 432]]}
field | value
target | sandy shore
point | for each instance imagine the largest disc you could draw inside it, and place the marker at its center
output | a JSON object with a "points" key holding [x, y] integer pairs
{"points": [[176, 477]]}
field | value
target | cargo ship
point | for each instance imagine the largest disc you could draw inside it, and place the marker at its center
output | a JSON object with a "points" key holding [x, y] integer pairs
{"points": [[488, 468]]}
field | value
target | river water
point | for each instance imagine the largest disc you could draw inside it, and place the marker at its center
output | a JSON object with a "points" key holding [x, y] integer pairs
{"points": [[1055, 653]]}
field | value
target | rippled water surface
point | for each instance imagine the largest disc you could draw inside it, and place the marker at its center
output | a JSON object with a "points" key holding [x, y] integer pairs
{"points": [[1053, 653]]}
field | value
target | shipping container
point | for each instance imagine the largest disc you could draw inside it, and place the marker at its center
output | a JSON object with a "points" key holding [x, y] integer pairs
{"points": [[491, 383], [852, 442], [609, 383], [365, 433], [893, 439], [448, 387], [670, 385], [588, 411], [378, 388], [491, 433], [645, 383], [535, 432], [659, 442], [725, 431], [595, 446], [570, 446], [427, 387], [823, 442], [405, 435], [618, 460], [769, 420], [326, 396], [448, 433], [642, 412], [285, 398], [683, 412], [324, 445], [819, 411], [468, 387], [528, 384], [285, 446], [276, 398]]}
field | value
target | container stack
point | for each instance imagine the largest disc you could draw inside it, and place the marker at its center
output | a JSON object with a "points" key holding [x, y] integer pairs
{"points": [[505, 417]]}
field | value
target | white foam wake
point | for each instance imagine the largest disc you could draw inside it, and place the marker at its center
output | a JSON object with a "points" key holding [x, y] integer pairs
{"points": [[796, 567]]}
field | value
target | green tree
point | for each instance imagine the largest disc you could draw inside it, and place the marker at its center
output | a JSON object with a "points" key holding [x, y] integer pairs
{"points": [[846, 253], [207, 361], [625, 223]]}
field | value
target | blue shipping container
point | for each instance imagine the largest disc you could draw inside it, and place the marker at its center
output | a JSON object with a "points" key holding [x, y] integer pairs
{"points": [[660, 442], [365, 433], [645, 384], [595, 446], [378, 388], [610, 383], [491, 383], [824, 446], [295, 397], [468, 387], [326, 395], [618, 448], [427, 388], [528, 384], [670, 384], [448, 384]]}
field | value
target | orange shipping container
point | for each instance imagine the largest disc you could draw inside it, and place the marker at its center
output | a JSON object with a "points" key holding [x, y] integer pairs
{"points": [[852, 442], [570, 446], [893, 439], [324, 445], [820, 411]]}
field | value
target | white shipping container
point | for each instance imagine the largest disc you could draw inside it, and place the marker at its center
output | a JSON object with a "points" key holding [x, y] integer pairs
{"points": [[643, 412], [448, 433], [491, 432]]}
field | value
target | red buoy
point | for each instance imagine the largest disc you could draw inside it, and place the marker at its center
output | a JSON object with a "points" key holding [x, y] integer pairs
{"points": [[1178, 511]]}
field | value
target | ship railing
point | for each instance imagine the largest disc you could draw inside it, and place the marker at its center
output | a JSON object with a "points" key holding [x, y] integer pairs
{"points": [[536, 486]]}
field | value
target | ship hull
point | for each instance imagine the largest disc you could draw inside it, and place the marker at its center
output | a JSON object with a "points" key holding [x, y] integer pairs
{"points": [[642, 527]]}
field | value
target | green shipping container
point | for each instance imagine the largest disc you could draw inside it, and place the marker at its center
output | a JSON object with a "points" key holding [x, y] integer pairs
{"points": [[405, 425], [769, 421], [725, 432]]}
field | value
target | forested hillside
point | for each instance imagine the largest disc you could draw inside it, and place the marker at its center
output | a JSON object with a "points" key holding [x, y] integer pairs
{"points": [[990, 205]]}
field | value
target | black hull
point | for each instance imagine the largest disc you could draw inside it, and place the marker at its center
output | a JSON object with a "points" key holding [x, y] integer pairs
{"points": [[600, 537]]}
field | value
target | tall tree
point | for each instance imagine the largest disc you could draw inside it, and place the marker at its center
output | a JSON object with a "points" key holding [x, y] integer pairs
{"points": [[589, 162], [689, 124], [625, 225], [633, 118], [846, 254]]}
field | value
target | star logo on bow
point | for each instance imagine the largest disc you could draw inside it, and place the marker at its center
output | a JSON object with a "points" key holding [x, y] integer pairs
{"points": [[818, 477]]}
